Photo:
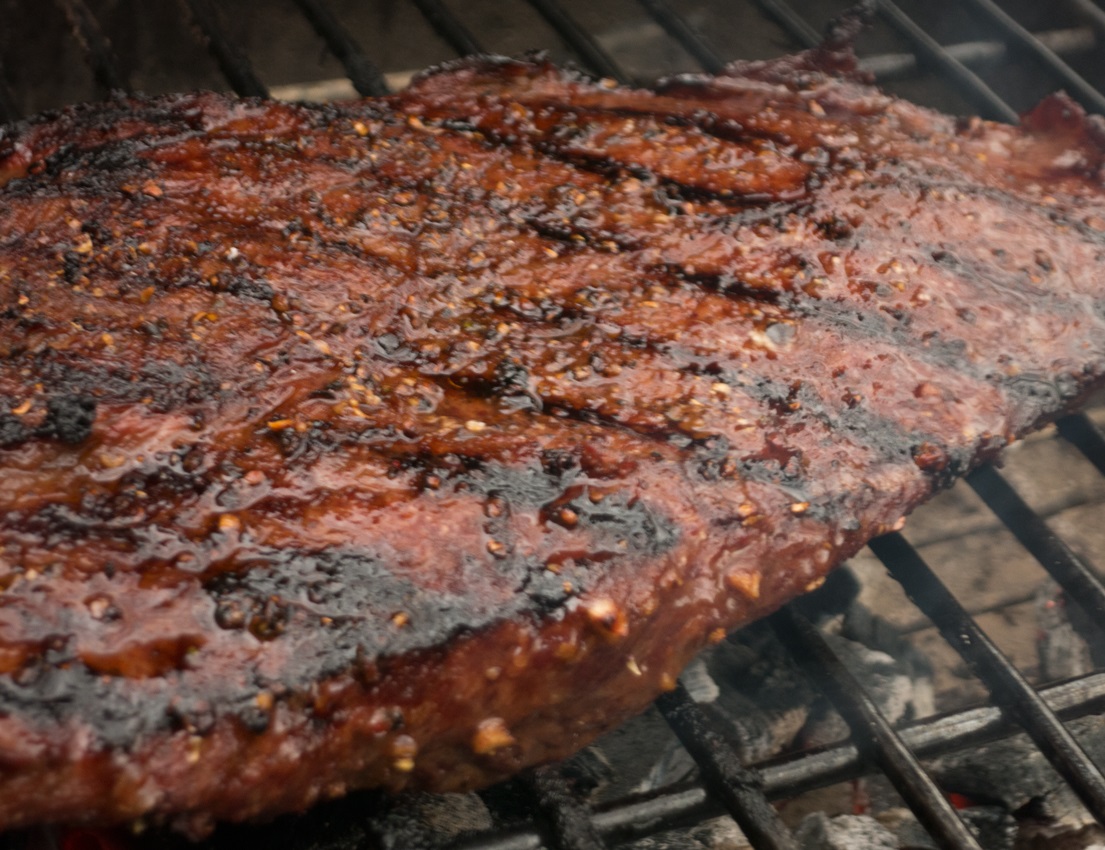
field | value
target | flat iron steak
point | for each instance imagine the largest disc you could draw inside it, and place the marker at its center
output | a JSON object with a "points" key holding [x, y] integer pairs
{"points": [[413, 441]]}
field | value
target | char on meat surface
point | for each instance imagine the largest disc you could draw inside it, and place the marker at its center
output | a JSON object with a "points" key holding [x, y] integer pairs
{"points": [[412, 441]]}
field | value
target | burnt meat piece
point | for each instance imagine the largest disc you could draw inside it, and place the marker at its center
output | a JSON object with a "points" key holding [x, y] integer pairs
{"points": [[412, 441]]}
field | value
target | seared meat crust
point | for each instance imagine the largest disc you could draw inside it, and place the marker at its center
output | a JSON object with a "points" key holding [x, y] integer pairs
{"points": [[412, 441]]}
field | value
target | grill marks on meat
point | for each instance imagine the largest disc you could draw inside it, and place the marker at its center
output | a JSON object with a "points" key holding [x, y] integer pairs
{"points": [[335, 436]]}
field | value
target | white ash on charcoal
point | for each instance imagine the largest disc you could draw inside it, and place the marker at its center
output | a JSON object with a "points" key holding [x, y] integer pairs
{"points": [[1016, 775], [844, 832], [767, 705], [995, 828], [714, 834], [755, 690], [1013, 775]]}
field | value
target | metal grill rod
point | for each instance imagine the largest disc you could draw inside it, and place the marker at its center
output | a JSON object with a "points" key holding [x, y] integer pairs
{"points": [[232, 60], [876, 741], [679, 29], [1083, 433], [1004, 681], [805, 771], [1081, 585], [1090, 96], [365, 76], [795, 25], [8, 110], [890, 66], [570, 819], [739, 789], [448, 26], [1094, 14], [930, 51], [580, 40], [97, 47]]}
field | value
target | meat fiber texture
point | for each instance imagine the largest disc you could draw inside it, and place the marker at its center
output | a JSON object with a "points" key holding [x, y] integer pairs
{"points": [[413, 441]]}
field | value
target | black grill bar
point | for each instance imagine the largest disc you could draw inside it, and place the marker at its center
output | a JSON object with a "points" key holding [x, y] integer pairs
{"points": [[887, 66], [781, 12], [1079, 582], [1093, 14], [1087, 94], [233, 63], [580, 40], [570, 819], [727, 785], [365, 76], [932, 53], [931, 737], [739, 789], [8, 110], [1006, 684], [678, 28], [97, 48], [448, 26], [1081, 431], [877, 742]]}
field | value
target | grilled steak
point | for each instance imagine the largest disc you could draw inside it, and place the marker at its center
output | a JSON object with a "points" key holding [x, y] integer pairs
{"points": [[413, 441]]}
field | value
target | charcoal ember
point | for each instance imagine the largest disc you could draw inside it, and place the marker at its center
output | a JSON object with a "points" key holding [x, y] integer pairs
{"points": [[589, 772], [345, 824], [995, 827], [912, 836], [860, 624], [631, 764], [762, 692], [1035, 837], [895, 673], [751, 684], [1016, 775], [844, 832]]}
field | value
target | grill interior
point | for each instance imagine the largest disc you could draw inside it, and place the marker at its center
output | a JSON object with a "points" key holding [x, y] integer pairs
{"points": [[972, 57]]}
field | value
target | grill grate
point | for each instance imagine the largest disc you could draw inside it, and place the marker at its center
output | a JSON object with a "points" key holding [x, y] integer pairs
{"points": [[364, 75], [932, 53], [727, 786], [1006, 684], [593, 55], [232, 59], [105, 67], [876, 740], [1091, 98], [739, 789]]}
